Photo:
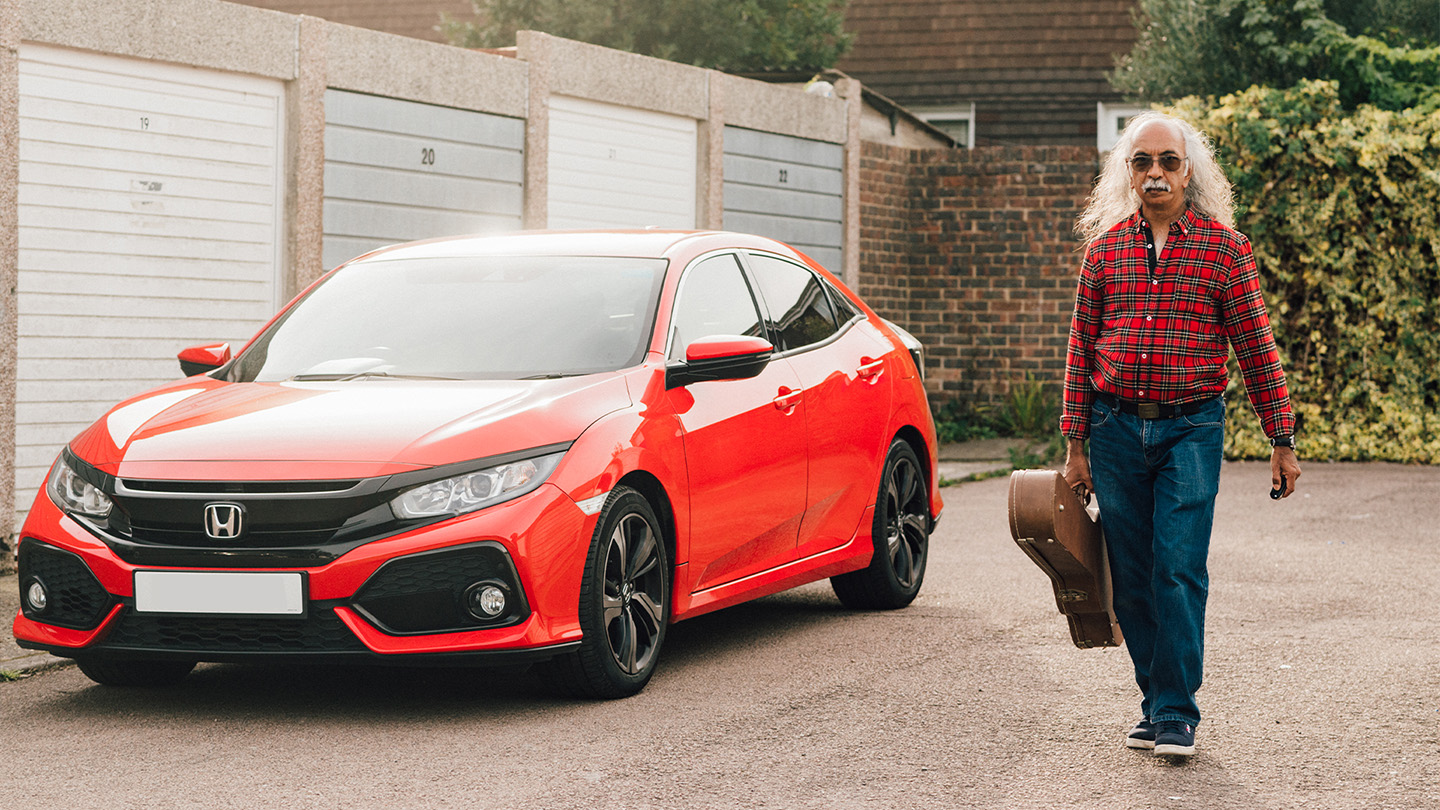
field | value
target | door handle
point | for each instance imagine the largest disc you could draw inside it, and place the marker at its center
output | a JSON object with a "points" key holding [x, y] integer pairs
{"points": [[869, 367], [786, 399]]}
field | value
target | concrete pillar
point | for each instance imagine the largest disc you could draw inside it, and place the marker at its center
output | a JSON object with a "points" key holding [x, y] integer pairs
{"points": [[852, 91], [305, 157], [9, 268], [710, 188], [535, 49]]}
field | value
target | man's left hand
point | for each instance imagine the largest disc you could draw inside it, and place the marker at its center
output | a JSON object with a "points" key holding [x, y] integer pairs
{"points": [[1284, 463]]}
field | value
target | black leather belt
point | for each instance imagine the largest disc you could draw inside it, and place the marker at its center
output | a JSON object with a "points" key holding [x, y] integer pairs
{"points": [[1153, 410]]}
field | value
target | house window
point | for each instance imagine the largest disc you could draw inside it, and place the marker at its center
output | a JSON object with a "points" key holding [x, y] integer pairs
{"points": [[1110, 120], [955, 120]]}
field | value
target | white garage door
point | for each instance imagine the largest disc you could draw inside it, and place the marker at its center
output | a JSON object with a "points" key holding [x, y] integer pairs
{"points": [[150, 220], [787, 188], [619, 167], [400, 170]]}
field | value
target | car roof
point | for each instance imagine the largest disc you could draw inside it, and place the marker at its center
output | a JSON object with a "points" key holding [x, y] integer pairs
{"points": [[648, 242]]}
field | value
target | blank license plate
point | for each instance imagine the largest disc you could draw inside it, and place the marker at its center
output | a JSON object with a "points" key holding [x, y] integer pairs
{"points": [[231, 594]]}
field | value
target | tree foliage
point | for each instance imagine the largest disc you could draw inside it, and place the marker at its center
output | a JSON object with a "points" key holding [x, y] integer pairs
{"points": [[1381, 52], [1343, 209], [735, 35]]}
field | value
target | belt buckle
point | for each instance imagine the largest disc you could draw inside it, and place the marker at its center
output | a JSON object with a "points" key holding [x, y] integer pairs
{"points": [[1147, 410]]}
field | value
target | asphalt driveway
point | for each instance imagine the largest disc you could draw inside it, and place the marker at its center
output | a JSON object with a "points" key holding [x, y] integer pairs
{"points": [[1322, 691]]}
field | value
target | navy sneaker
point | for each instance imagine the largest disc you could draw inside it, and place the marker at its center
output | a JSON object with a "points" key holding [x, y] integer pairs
{"points": [[1142, 735], [1174, 738]]}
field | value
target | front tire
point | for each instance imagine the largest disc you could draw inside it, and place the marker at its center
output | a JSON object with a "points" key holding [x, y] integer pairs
{"points": [[134, 671], [624, 603], [902, 539]]}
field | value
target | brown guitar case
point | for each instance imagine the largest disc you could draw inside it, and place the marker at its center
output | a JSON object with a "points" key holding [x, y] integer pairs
{"points": [[1051, 524]]}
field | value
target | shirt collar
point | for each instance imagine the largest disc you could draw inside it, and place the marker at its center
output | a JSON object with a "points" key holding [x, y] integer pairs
{"points": [[1187, 220]]}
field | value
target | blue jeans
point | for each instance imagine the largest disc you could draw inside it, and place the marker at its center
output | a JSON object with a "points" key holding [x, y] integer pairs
{"points": [[1156, 480]]}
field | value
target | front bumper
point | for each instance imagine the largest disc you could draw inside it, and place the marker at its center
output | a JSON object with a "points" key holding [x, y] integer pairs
{"points": [[395, 600]]}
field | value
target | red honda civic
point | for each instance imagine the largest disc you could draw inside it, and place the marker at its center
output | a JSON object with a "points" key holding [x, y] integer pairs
{"points": [[537, 448]]}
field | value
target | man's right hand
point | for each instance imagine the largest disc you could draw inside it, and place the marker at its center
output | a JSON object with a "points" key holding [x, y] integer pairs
{"points": [[1077, 469]]}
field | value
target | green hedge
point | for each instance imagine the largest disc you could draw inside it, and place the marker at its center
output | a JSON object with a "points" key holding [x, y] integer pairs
{"points": [[1343, 209]]}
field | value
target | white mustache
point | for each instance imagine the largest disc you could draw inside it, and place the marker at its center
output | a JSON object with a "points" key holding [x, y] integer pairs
{"points": [[1155, 184]]}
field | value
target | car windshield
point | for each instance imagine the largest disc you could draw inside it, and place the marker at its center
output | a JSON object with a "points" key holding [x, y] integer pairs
{"points": [[490, 317]]}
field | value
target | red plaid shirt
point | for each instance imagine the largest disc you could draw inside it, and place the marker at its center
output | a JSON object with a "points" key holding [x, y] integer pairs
{"points": [[1166, 338]]}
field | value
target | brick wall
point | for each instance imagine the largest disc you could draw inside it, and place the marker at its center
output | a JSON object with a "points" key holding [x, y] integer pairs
{"points": [[973, 251]]}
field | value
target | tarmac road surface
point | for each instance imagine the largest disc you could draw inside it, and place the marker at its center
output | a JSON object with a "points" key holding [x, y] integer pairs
{"points": [[1322, 691]]}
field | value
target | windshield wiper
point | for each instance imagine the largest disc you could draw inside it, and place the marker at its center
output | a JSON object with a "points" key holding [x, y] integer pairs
{"points": [[361, 376]]}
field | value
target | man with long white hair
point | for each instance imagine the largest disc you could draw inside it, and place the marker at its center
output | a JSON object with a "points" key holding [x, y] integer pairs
{"points": [[1166, 289]]}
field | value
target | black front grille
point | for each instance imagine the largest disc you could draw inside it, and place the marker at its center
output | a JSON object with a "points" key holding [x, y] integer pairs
{"points": [[75, 597], [425, 593], [322, 631]]}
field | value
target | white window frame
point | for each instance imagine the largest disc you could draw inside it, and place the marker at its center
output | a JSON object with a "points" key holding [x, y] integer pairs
{"points": [[936, 114], [1109, 119]]}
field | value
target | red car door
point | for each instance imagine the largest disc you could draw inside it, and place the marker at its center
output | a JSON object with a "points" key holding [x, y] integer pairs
{"points": [[846, 380], [744, 439]]}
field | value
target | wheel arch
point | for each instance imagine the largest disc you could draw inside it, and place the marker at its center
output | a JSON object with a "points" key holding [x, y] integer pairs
{"points": [[654, 492], [913, 437]]}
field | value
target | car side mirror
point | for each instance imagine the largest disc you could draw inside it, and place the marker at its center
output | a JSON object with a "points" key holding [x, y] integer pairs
{"points": [[720, 357], [200, 359]]}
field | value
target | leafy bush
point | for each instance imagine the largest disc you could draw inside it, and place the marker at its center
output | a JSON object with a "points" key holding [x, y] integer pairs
{"points": [[1343, 209]]}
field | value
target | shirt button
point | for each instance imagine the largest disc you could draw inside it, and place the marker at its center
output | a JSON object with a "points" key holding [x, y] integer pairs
{"points": [[1144, 356], [1149, 317]]}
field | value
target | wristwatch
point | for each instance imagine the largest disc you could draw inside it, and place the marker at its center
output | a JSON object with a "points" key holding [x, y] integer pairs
{"points": [[1283, 441]]}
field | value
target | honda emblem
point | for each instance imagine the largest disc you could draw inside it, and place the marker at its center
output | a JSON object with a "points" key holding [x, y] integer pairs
{"points": [[224, 521]]}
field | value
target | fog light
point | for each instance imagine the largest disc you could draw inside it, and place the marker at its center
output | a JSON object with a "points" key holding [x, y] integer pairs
{"points": [[36, 596], [485, 600]]}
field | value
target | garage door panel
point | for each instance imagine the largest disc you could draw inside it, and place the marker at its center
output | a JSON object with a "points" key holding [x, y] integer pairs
{"points": [[651, 184], [149, 204], [784, 202], [67, 368], [407, 152], [793, 231], [406, 189], [82, 268], [787, 188], [179, 176], [149, 288], [89, 306], [399, 117], [121, 112], [614, 166], [130, 145], [150, 219], [342, 217], [398, 170], [783, 148], [181, 331], [101, 242], [747, 170], [168, 90]]}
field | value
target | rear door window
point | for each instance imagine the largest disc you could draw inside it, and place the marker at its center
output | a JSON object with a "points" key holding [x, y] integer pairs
{"points": [[801, 313]]}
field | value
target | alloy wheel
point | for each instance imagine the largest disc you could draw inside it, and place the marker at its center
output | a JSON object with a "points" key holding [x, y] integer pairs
{"points": [[632, 600], [906, 522]]}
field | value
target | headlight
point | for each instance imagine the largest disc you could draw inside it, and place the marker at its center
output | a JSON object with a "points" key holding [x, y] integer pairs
{"points": [[74, 494], [476, 490]]}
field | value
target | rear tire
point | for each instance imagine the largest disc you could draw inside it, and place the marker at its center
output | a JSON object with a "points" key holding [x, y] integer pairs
{"points": [[624, 604], [134, 671], [902, 538]]}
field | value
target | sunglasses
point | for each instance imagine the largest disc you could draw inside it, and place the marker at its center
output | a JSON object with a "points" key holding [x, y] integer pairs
{"points": [[1170, 163]]}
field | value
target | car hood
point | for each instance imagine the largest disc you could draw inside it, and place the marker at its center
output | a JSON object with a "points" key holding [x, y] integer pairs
{"points": [[213, 430]]}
